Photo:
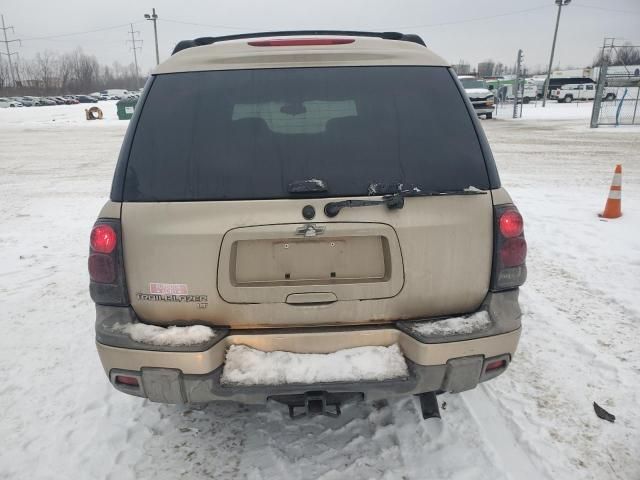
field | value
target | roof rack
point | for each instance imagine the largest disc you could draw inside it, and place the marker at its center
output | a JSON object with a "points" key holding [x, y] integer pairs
{"points": [[198, 42]]}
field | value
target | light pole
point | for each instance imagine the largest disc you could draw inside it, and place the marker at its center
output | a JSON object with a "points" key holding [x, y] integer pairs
{"points": [[560, 3], [154, 18]]}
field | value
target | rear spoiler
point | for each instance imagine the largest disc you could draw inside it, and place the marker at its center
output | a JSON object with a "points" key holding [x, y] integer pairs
{"points": [[198, 42]]}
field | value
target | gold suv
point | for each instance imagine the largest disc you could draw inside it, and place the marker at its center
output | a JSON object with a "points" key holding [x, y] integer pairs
{"points": [[306, 217]]}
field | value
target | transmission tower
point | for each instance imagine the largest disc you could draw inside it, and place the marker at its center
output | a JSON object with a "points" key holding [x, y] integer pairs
{"points": [[134, 46], [7, 44]]}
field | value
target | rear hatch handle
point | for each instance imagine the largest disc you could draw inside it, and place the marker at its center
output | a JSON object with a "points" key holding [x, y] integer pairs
{"points": [[395, 201]]}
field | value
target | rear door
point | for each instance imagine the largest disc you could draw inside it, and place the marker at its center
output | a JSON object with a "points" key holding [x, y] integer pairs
{"points": [[216, 231]]}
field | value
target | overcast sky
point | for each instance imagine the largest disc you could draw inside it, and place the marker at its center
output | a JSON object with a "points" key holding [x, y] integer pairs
{"points": [[455, 29]]}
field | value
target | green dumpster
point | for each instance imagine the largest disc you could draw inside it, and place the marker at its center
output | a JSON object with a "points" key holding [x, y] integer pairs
{"points": [[126, 107]]}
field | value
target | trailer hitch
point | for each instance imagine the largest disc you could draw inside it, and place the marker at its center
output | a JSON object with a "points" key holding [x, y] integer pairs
{"points": [[310, 404], [315, 403]]}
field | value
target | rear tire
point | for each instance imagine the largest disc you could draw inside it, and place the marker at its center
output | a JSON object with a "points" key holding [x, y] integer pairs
{"points": [[489, 116], [526, 100], [568, 99]]}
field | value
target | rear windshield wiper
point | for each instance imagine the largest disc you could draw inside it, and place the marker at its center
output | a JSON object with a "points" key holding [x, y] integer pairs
{"points": [[395, 201]]}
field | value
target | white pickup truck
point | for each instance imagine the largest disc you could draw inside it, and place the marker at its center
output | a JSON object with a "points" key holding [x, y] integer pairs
{"points": [[481, 97], [587, 91]]}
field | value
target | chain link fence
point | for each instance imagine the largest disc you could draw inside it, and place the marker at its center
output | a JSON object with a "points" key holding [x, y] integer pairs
{"points": [[617, 99]]}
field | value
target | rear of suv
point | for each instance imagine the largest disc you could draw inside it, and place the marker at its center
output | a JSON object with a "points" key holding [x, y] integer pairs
{"points": [[309, 193]]}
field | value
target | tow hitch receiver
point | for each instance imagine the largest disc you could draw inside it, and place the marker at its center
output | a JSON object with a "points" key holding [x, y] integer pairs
{"points": [[315, 403]]}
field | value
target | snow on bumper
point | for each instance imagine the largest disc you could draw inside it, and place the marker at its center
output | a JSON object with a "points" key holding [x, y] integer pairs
{"points": [[248, 366], [448, 356]]}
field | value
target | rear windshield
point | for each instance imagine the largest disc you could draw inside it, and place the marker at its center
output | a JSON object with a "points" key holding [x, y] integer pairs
{"points": [[249, 134]]}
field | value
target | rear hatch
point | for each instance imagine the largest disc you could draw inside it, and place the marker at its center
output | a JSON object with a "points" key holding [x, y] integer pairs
{"points": [[230, 171]]}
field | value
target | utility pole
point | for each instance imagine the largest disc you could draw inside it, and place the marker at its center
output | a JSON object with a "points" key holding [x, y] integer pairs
{"points": [[154, 18], [9, 53], [134, 46], [560, 3], [516, 85]]}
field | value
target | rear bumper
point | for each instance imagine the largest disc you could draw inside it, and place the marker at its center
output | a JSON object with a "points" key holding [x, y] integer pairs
{"points": [[451, 363]]}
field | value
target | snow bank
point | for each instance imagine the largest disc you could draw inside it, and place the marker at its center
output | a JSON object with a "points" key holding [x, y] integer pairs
{"points": [[454, 325], [247, 366], [166, 336]]}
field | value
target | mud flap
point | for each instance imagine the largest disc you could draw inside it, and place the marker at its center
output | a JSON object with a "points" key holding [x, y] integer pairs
{"points": [[462, 374], [163, 385]]}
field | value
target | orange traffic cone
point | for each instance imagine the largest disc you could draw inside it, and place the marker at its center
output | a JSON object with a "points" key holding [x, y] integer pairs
{"points": [[613, 207]]}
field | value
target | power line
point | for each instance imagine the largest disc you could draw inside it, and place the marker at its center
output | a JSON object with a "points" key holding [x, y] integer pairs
{"points": [[225, 27], [429, 25], [615, 10], [488, 17], [7, 44], [59, 35]]}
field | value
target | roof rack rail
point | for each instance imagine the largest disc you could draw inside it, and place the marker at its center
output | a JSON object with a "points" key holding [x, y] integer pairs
{"points": [[197, 42]]}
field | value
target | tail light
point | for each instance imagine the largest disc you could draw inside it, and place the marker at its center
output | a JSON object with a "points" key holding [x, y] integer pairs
{"points": [[127, 380], [510, 249], [106, 266]]}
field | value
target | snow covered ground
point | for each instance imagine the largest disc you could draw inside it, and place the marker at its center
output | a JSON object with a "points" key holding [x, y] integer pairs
{"points": [[60, 419]]}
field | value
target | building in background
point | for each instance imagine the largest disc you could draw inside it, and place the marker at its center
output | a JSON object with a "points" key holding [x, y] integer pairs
{"points": [[485, 69], [462, 68]]}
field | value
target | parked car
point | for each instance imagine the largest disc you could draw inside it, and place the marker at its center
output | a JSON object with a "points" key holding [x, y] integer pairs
{"points": [[478, 92], [86, 99], [71, 99], [115, 93], [56, 100], [34, 101], [571, 92], [9, 103], [47, 101], [26, 102], [307, 219]]}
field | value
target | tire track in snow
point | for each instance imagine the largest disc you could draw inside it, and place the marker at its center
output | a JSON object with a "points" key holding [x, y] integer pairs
{"points": [[556, 375], [496, 432]]}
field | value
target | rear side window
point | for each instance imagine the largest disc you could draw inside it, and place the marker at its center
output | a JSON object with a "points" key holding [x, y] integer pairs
{"points": [[248, 134]]}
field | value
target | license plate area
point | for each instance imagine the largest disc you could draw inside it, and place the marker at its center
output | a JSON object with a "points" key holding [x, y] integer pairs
{"points": [[270, 263], [320, 261]]}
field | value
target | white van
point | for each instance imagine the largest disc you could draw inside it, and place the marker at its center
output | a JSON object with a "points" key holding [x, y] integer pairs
{"points": [[587, 91]]}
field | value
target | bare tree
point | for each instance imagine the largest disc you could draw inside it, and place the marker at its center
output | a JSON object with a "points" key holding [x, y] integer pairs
{"points": [[45, 70], [5, 77], [627, 55], [71, 73], [601, 58]]}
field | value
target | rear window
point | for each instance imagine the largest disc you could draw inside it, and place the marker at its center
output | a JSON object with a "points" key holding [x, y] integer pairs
{"points": [[248, 134]]}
